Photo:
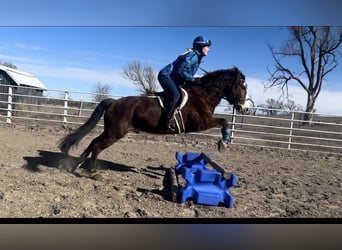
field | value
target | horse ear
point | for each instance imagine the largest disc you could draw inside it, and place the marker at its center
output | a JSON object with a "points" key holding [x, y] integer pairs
{"points": [[236, 70]]}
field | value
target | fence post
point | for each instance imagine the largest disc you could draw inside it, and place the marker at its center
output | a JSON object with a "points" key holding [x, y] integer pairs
{"points": [[65, 112], [9, 105], [291, 129], [233, 125], [81, 106]]}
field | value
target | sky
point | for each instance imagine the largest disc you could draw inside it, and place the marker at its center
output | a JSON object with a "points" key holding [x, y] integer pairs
{"points": [[70, 46]]}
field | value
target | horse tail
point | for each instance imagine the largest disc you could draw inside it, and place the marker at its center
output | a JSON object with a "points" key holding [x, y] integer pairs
{"points": [[76, 136]]}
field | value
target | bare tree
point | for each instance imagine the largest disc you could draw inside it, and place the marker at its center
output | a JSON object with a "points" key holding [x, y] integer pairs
{"points": [[317, 51], [274, 107], [142, 76], [101, 91], [8, 64], [292, 106]]}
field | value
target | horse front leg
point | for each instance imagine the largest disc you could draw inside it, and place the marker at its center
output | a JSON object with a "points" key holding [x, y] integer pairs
{"points": [[225, 131]]}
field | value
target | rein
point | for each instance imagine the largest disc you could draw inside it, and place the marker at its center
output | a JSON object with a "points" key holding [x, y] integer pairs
{"points": [[205, 71]]}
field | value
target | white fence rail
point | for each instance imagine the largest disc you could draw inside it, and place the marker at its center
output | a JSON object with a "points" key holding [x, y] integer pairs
{"points": [[284, 130]]}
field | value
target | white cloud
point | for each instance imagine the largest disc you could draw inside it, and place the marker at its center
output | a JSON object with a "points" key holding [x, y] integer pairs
{"points": [[328, 102], [111, 76], [91, 75], [20, 59], [28, 46], [79, 79]]}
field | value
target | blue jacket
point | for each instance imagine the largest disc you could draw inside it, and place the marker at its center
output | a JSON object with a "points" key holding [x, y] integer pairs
{"points": [[183, 68]]}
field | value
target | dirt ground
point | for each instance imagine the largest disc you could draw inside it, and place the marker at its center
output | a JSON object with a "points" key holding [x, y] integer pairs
{"points": [[133, 180]]}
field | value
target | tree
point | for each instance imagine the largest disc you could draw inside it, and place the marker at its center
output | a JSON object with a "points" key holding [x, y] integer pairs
{"points": [[142, 76], [292, 106], [9, 65], [317, 51], [273, 107], [101, 91]]}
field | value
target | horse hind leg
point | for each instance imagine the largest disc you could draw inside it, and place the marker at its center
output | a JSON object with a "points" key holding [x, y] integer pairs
{"points": [[96, 146], [69, 164]]}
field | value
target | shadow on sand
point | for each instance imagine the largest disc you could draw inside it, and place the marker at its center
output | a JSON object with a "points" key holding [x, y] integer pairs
{"points": [[68, 163]]}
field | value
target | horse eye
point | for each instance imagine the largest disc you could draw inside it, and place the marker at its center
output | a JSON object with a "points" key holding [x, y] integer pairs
{"points": [[243, 84]]}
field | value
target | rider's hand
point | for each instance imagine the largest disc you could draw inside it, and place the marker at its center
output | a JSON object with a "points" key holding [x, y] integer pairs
{"points": [[197, 81]]}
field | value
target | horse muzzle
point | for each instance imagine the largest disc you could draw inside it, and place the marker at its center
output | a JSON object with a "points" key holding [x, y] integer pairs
{"points": [[240, 109], [246, 107]]}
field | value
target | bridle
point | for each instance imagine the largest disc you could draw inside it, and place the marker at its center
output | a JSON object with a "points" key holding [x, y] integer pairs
{"points": [[243, 84]]}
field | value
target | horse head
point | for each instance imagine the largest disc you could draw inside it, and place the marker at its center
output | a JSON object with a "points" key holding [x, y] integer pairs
{"points": [[235, 90], [228, 84]]}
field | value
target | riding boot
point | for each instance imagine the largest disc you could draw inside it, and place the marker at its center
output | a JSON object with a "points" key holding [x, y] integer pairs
{"points": [[170, 121], [166, 121]]}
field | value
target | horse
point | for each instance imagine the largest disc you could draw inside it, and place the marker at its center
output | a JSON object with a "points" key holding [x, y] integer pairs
{"points": [[143, 113]]}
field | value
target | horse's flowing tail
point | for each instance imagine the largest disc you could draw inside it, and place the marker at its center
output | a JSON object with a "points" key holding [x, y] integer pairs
{"points": [[76, 136]]}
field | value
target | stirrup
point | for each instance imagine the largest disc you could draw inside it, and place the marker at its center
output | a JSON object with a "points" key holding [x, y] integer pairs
{"points": [[172, 128]]}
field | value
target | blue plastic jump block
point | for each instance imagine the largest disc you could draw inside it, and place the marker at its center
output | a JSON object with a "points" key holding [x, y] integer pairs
{"points": [[203, 185], [189, 160]]}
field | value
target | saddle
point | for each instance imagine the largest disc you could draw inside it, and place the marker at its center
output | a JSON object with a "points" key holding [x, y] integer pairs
{"points": [[177, 115]]}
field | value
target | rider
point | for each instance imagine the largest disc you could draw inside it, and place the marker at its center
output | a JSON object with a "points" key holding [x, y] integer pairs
{"points": [[179, 72]]}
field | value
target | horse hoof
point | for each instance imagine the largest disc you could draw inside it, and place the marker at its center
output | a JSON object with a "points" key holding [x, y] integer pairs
{"points": [[87, 173], [96, 176], [222, 145], [67, 164], [91, 174]]}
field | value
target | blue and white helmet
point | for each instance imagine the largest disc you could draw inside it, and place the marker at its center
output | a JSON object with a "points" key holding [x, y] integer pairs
{"points": [[200, 42]]}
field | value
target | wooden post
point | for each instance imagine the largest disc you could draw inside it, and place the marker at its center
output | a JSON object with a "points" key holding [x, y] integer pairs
{"points": [[174, 184], [216, 166]]}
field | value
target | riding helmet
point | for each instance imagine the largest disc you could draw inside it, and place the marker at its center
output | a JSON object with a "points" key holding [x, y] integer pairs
{"points": [[200, 42]]}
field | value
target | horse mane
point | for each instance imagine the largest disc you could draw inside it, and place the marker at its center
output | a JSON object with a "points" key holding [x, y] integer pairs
{"points": [[220, 74], [215, 78]]}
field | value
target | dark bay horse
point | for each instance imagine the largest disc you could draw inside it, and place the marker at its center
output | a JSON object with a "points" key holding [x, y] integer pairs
{"points": [[138, 113]]}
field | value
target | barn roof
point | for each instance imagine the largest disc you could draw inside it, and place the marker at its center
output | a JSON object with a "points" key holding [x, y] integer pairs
{"points": [[23, 78]]}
